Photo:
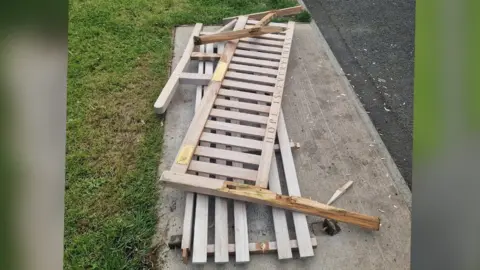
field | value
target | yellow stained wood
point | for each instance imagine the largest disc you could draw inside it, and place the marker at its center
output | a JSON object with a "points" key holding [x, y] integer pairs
{"points": [[185, 154]]}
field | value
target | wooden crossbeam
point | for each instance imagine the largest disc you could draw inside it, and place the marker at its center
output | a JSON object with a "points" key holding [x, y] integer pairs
{"points": [[279, 13], [231, 35], [263, 247], [170, 87], [255, 194], [204, 56]]}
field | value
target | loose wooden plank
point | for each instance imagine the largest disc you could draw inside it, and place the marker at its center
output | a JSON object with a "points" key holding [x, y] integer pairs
{"points": [[244, 95], [242, 105], [257, 55], [252, 69], [299, 219], [227, 155], [247, 86], [229, 140], [252, 118], [279, 13], [195, 78], [265, 42], [170, 87], [256, 194], [253, 22], [247, 130], [223, 170], [269, 139], [260, 48], [279, 218], [201, 116], [236, 34], [204, 56], [261, 247], [276, 37], [254, 62], [251, 78]]}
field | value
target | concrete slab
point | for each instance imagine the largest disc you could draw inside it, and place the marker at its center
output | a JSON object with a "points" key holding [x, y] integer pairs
{"points": [[339, 143]]}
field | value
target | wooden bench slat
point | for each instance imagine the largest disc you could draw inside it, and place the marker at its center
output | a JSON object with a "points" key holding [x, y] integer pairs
{"points": [[257, 55], [247, 86], [229, 140], [244, 95], [242, 105], [217, 169], [251, 78], [255, 62], [252, 118], [253, 131], [252, 69], [227, 155]]}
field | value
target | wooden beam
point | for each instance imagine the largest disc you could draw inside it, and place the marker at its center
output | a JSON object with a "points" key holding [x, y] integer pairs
{"points": [[266, 19], [204, 56], [226, 26], [170, 87], [194, 78], [262, 247], [231, 35], [279, 13], [256, 194]]}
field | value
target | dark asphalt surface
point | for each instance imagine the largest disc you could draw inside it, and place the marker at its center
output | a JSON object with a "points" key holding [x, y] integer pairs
{"points": [[373, 40]]}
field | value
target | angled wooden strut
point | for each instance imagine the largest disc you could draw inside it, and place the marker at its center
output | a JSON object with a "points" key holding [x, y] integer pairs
{"points": [[249, 193], [229, 35], [278, 13]]}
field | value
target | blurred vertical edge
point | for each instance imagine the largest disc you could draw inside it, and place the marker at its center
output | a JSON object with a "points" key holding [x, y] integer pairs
{"points": [[446, 146], [33, 80]]}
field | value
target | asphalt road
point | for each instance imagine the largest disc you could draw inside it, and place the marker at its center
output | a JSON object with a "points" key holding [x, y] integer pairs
{"points": [[373, 40]]}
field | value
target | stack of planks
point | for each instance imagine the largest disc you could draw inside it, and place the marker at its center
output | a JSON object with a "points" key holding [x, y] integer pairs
{"points": [[229, 148]]}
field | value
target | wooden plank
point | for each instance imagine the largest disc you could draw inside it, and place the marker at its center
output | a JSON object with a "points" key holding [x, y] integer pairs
{"points": [[200, 237], [244, 95], [236, 34], [252, 118], [247, 130], [226, 26], [254, 62], [201, 116], [256, 194], [257, 55], [242, 105], [266, 19], [251, 78], [275, 37], [204, 56], [194, 78], [279, 13], [279, 218], [227, 155], [229, 140], [170, 87], [261, 247], [221, 209], [252, 69], [253, 22], [265, 42], [260, 48], [299, 219], [269, 139], [247, 86], [190, 197], [222, 170]]}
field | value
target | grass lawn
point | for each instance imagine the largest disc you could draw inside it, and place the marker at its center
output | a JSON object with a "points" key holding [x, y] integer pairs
{"points": [[119, 53]]}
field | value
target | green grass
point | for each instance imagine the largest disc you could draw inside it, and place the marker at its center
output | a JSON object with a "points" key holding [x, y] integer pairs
{"points": [[119, 52]]}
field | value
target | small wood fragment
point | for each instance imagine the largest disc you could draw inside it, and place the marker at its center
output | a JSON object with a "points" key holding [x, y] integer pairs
{"points": [[339, 192]]}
